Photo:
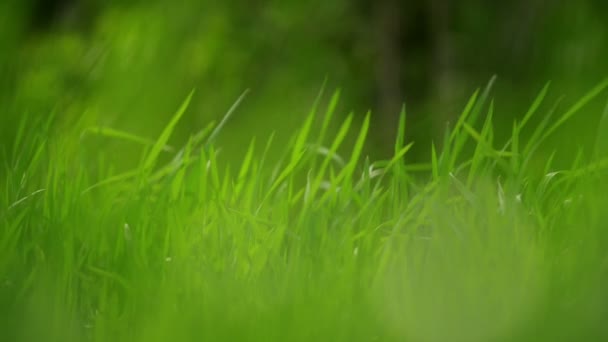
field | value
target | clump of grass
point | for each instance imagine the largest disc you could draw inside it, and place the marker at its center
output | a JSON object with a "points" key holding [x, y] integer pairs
{"points": [[475, 245]]}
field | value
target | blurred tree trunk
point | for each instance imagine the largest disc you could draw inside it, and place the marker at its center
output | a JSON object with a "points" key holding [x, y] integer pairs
{"points": [[388, 24], [402, 31], [442, 73], [519, 30]]}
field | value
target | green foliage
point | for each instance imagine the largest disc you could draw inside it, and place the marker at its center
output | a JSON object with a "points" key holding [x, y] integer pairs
{"points": [[272, 222], [471, 246]]}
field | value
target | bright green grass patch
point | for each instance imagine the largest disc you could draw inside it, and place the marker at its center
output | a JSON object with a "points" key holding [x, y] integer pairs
{"points": [[477, 245]]}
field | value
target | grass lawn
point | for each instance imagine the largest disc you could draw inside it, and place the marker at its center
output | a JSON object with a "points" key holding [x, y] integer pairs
{"points": [[487, 241]]}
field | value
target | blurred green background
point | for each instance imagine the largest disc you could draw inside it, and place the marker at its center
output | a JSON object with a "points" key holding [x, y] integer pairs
{"points": [[129, 64]]}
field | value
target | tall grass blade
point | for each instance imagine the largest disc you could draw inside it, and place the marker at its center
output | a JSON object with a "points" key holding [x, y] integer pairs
{"points": [[165, 135]]}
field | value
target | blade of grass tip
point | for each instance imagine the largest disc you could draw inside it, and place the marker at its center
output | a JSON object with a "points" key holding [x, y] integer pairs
{"points": [[342, 132], [195, 141], [535, 140], [213, 168], [299, 195], [579, 159], [515, 162], [365, 176], [308, 184], [250, 186], [398, 168], [312, 113], [166, 134], [226, 117], [482, 144], [574, 172], [20, 134], [20, 146], [460, 139], [178, 160], [401, 129], [466, 193], [549, 163], [226, 182], [300, 142], [242, 176], [247, 161], [278, 178], [177, 185], [576, 107], [122, 135], [317, 101], [434, 162], [23, 199], [463, 116], [547, 176], [112, 180], [329, 113], [202, 134], [477, 109], [37, 157], [531, 111], [358, 148], [283, 175], [266, 151], [398, 155], [347, 172], [203, 163], [472, 109], [446, 151], [490, 135], [535, 105]]}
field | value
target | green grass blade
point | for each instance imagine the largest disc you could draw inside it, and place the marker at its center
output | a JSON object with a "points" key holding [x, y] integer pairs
{"points": [[463, 117], [329, 113], [126, 136], [400, 141], [300, 143], [535, 105], [434, 163], [166, 134], [593, 93], [225, 119]]}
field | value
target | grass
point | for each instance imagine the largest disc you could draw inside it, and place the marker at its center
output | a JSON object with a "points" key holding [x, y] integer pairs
{"points": [[479, 244]]}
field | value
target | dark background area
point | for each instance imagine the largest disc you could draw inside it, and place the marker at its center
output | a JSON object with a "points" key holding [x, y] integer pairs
{"points": [[132, 62]]}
